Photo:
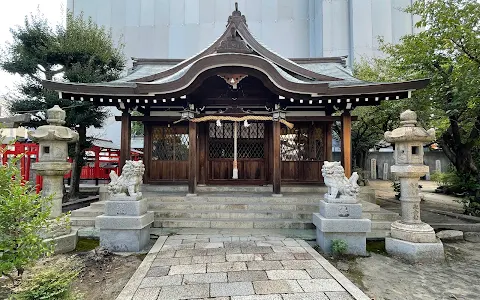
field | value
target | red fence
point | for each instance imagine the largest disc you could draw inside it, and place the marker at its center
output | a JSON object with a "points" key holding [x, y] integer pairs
{"points": [[29, 152], [99, 162]]}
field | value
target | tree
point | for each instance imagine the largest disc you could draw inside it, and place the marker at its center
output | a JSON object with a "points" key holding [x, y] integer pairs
{"points": [[448, 52], [80, 52], [23, 214]]}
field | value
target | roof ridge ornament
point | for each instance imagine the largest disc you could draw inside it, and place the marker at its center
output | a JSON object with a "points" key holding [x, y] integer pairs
{"points": [[233, 42]]}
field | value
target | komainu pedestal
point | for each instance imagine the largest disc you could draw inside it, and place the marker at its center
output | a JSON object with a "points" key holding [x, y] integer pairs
{"points": [[411, 239], [340, 216], [125, 224]]}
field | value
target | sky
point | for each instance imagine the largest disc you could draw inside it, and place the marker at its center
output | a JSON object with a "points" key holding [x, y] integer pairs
{"points": [[13, 13]]}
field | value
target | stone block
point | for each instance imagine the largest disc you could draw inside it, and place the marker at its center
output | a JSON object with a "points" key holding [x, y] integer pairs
{"points": [[64, 243], [341, 225], [450, 235], [124, 222], [287, 274], [188, 269], [320, 285], [125, 240], [226, 267], [415, 252], [300, 264], [308, 296], [126, 208], [146, 294], [204, 278], [124, 197], [340, 210], [191, 291], [264, 265], [472, 237], [148, 282], [356, 241], [277, 287], [247, 276], [231, 289]]}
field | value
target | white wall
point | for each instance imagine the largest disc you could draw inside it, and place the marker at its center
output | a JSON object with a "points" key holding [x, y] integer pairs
{"points": [[292, 28]]}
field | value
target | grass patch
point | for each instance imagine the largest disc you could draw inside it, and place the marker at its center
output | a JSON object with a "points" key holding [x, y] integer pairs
{"points": [[377, 247], [84, 244]]}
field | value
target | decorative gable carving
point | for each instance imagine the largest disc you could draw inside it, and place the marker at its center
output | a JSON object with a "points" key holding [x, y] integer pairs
{"points": [[233, 42]]}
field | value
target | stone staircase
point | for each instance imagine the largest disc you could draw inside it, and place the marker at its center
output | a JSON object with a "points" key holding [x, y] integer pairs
{"points": [[237, 207]]}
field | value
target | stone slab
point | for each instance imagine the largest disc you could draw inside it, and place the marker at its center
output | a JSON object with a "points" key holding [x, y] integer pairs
{"points": [[356, 241], [415, 252], [340, 210], [287, 274], [192, 291], [277, 287], [126, 208], [65, 243], [204, 278], [124, 222], [320, 285], [472, 237], [450, 235], [247, 276], [231, 289], [341, 225], [125, 240], [307, 296]]}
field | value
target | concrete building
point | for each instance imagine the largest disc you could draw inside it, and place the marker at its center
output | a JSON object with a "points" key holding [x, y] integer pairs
{"points": [[292, 28]]}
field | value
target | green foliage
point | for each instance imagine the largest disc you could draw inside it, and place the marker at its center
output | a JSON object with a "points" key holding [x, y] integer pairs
{"points": [[52, 282], [22, 214], [81, 51], [339, 247], [396, 188], [137, 127]]}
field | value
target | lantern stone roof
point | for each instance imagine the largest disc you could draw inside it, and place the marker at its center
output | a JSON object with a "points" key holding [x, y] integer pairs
{"points": [[310, 79]]}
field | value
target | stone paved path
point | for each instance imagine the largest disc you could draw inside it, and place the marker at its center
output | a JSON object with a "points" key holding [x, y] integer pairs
{"points": [[238, 268]]}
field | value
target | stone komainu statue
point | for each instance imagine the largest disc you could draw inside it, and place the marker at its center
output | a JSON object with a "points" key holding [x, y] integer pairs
{"points": [[340, 188], [129, 182]]}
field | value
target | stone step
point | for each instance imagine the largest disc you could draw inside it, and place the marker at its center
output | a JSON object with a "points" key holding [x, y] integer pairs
{"points": [[377, 234], [243, 206], [234, 197], [235, 188], [381, 225], [369, 207], [232, 214], [229, 223], [83, 221]]}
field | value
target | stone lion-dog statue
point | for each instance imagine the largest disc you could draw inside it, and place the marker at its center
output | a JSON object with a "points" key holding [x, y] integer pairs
{"points": [[340, 188], [128, 183]]}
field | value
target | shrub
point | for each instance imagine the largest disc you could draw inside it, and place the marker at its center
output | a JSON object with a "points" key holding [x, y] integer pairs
{"points": [[51, 282], [23, 215], [339, 247]]}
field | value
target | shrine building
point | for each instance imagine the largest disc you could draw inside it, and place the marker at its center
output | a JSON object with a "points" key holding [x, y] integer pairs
{"points": [[237, 113]]}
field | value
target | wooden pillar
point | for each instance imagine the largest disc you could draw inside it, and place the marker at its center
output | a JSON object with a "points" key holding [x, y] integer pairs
{"points": [[192, 158], [328, 142], [96, 167], [125, 142], [276, 159], [347, 143], [147, 151]]}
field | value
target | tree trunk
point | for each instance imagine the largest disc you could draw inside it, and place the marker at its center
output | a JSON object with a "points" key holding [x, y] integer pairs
{"points": [[77, 163]]}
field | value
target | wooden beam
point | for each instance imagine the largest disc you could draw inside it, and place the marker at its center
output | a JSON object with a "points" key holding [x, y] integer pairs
{"points": [[289, 118], [125, 136], [347, 143], [328, 141], [192, 158], [277, 178]]}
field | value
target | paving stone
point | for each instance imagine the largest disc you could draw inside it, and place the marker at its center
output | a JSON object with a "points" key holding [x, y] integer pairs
{"points": [[185, 292], [166, 254], [208, 259], [320, 285], [291, 243], [257, 250], [279, 256], [258, 297], [243, 257], [270, 243], [161, 281], [183, 237], [219, 251], [247, 276], [147, 294], [158, 271], [208, 245], [195, 241], [307, 296], [277, 287], [204, 278], [318, 273], [252, 238], [275, 238], [339, 296], [264, 265], [289, 249], [173, 242], [220, 239], [300, 264], [302, 256], [226, 267], [190, 252], [231, 289], [172, 261], [239, 244], [188, 269], [287, 274]]}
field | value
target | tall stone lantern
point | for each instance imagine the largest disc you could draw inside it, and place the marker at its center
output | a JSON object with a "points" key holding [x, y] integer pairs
{"points": [[410, 238], [53, 140]]}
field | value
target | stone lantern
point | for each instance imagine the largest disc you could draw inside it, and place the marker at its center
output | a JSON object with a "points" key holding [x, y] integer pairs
{"points": [[53, 140], [410, 237]]}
